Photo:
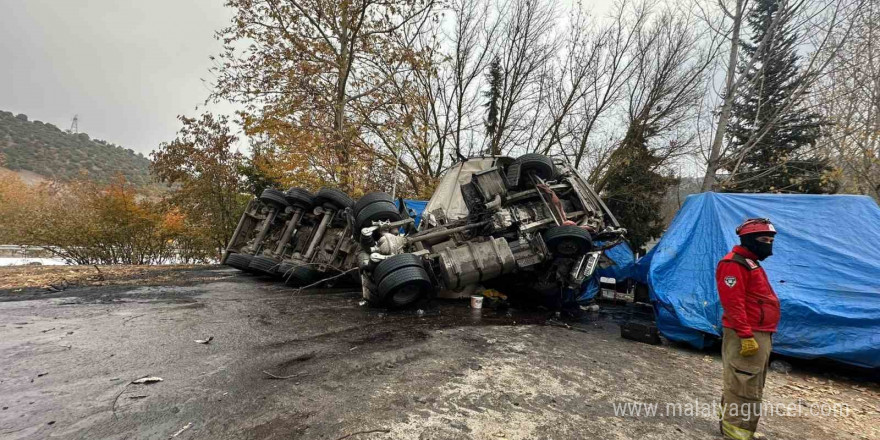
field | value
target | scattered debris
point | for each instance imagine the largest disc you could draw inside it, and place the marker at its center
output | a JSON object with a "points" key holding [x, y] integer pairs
{"points": [[590, 308], [58, 287], [640, 332], [384, 430], [185, 427], [205, 341], [143, 380], [100, 276], [272, 376], [148, 379]]}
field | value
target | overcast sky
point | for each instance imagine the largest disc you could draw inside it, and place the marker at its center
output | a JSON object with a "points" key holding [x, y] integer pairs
{"points": [[126, 67]]}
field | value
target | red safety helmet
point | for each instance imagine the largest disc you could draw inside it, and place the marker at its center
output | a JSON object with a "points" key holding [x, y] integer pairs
{"points": [[754, 225]]}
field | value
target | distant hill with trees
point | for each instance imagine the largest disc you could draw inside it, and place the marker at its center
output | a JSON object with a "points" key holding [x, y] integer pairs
{"points": [[45, 149]]}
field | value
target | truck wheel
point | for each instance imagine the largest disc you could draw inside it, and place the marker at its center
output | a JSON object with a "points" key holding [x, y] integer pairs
{"points": [[284, 269], [300, 198], [264, 265], [404, 287], [273, 197], [239, 261], [299, 276], [393, 263], [369, 199], [334, 197], [538, 164], [384, 211], [568, 241]]}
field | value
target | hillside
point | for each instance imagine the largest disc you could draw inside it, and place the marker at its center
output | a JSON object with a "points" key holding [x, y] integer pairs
{"points": [[55, 154]]}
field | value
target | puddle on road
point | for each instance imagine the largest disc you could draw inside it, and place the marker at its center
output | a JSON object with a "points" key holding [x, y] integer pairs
{"points": [[456, 313]]}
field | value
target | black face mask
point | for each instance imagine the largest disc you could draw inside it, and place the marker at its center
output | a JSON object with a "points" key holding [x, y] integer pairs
{"points": [[760, 249]]}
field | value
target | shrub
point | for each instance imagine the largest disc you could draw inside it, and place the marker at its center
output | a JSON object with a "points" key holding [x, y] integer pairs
{"points": [[89, 223]]}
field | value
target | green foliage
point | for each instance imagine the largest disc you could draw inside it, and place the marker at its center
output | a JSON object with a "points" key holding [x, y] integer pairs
{"points": [[256, 170], [785, 159], [493, 95], [46, 150], [204, 166], [635, 189]]}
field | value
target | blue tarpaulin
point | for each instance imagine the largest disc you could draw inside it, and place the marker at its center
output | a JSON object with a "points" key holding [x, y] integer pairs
{"points": [[415, 208], [825, 269], [624, 265]]}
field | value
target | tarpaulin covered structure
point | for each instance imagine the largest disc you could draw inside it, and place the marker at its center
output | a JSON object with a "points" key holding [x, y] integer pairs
{"points": [[825, 269]]}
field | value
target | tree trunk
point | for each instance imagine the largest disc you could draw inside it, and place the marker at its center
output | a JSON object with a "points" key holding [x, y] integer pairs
{"points": [[339, 138], [729, 95]]}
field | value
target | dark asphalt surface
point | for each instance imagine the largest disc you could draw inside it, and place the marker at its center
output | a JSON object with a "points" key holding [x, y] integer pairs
{"points": [[451, 373]]}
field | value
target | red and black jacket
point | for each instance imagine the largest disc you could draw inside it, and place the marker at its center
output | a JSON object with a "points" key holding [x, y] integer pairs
{"points": [[746, 295]]}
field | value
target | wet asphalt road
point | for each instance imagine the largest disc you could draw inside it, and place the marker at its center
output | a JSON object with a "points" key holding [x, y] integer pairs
{"points": [[68, 359]]}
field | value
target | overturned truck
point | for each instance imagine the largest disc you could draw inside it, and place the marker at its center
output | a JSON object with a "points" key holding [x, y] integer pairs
{"points": [[298, 236], [530, 227]]}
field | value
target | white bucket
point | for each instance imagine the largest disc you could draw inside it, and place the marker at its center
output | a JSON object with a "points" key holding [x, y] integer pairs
{"points": [[476, 302]]}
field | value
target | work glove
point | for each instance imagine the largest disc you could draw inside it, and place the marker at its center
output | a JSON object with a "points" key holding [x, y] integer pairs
{"points": [[748, 347]]}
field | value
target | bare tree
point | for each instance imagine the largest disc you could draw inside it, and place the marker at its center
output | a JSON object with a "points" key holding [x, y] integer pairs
{"points": [[822, 27], [442, 95], [736, 15], [527, 45], [849, 96], [615, 61], [302, 67], [672, 62]]}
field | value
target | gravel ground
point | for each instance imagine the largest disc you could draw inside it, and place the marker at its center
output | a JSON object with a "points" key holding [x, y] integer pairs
{"points": [[318, 365]]}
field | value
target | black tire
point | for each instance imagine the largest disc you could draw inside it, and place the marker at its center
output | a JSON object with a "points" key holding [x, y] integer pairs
{"points": [[264, 265], [376, 211], [298, 275], [284, 269], [300, 198], [371, 198], [334, 197], [538, 164], [404, 287], [273, 197], [239, 261], [568, 241], [393, 263]]}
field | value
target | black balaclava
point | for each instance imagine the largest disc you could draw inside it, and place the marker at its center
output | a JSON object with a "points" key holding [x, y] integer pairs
{"points": [[761, 250]]}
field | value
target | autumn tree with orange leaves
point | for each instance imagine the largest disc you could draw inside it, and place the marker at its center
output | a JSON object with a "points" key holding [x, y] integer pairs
{"points": [[326, 82], [205, 171]]}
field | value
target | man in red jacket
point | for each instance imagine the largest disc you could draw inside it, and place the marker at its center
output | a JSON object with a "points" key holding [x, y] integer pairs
{"points": [[751, 314]]}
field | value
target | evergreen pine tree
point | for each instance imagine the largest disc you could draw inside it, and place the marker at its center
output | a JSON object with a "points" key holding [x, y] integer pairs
{"points": [[785, 158], [635, 189], [493, 95]]}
